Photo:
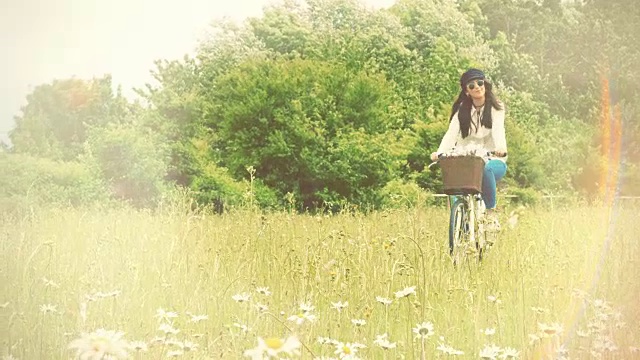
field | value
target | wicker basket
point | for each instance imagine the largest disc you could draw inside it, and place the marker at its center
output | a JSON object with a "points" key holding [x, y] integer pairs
{"points": [[462, 175]]}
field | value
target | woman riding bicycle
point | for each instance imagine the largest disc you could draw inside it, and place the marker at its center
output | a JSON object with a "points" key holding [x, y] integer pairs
{"points": [[476, 124]]}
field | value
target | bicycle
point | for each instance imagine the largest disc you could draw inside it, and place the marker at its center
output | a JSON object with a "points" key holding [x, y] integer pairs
{"points": [[462, 179]]}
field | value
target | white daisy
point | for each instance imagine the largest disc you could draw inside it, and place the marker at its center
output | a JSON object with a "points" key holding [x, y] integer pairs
{"points": [[509, 353], [490, 352], [244, 328], [358, 322], [198, 318], [139, 346], [424, 330], [383, 342], [101, 344], [168, 329], [274, 347], [301, 318], [405, 292], [489, 331], [241, 298], [263, 290], [449, 350], [326, 340], [48, 308], [347, 350], [175, 353], [189, 346], [306, 307], [165, 316], [339, 305], [50, 283], [383, 300]]}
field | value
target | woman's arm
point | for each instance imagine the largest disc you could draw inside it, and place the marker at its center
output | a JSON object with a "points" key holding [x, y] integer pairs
{"points": [[497, 131], [450, 137]]}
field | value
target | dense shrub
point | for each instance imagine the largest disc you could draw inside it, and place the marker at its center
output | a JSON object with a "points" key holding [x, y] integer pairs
{"points": [[31, 181], [132, 162]]}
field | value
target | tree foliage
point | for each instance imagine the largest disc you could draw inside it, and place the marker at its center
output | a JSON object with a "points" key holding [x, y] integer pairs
{"points": [[324, 102], [55, 122]]}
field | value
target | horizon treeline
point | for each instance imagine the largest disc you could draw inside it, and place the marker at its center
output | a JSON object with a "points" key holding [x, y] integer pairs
{"points": [[329, 103]]}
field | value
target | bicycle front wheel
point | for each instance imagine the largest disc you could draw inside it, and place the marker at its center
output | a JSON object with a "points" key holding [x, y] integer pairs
{"points": [[459, 230]]}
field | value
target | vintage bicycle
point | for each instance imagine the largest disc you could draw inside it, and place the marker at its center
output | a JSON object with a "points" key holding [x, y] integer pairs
{"points": [[462, 180]]}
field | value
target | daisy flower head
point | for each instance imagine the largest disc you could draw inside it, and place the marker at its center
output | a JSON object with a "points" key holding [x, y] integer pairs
{"points": [[50, 283], [261, 307], [302, 317], [101, 344], [411, 290], [165, 316], [383, 342], [114, 293], [244, 328], [241, 298], [188, 346], [347, 350], [489, 331], [449, 350], [306, 307], [198, 318], [358, 322], [175, 353], [339, 305], [140, 346], [383, 300], [158, 340], [326, 340], [48, 308], [509, 353], [168, 329], [263, 290], [539, 310], [424, 330], [490, 352], [274, 347]]}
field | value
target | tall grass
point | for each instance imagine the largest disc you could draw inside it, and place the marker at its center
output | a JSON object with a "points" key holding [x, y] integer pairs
{"points": [[562, 282]]}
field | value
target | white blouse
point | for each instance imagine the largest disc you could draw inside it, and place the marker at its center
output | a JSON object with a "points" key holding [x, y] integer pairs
{"points": [[479, 138]]}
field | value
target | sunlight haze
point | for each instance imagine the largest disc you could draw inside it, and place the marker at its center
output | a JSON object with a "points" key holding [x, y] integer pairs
{"points": [[57, 39]]}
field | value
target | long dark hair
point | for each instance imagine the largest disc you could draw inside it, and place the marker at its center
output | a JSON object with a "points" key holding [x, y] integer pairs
{"points": [[463, 106]]}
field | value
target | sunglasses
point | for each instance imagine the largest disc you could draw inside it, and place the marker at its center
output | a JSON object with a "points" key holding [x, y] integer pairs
{"points": [[472, 84]]}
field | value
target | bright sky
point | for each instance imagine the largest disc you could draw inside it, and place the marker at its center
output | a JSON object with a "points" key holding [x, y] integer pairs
{"points": [[44, 40]]}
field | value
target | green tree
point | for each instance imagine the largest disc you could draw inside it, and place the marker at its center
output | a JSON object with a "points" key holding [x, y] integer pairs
{"points": [[55, 121], [309, 128]]}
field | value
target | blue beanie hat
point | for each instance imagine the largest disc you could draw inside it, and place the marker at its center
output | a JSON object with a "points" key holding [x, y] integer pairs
{"points": [[469, 75]]}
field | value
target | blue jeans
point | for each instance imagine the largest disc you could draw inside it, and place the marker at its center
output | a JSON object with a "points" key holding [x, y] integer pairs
{"points": [[494, 170]]}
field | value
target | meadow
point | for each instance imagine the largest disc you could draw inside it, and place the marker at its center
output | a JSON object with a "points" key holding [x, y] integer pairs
{"points": [[560, 283]]}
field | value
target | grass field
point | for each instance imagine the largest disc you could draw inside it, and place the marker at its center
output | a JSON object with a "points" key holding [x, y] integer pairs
{"points": [[562, 283]]}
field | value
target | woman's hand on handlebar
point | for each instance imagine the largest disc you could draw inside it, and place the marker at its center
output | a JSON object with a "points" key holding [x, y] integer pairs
{"points": [[499, 153], [434, 156]]}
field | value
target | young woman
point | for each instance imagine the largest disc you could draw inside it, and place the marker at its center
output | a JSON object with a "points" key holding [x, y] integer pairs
{"points": [[477, 124]]}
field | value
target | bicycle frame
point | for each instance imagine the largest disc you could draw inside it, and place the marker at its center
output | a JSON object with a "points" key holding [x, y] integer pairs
{"points": [[466, 224]]}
